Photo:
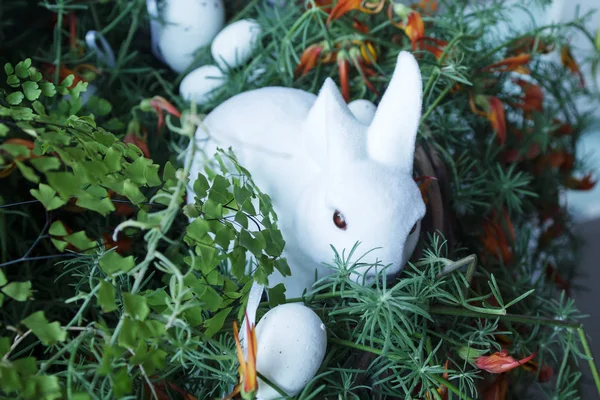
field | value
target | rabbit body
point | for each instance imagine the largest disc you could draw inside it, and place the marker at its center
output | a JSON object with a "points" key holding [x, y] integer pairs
{"points": [[333, 180], [256, 124]]}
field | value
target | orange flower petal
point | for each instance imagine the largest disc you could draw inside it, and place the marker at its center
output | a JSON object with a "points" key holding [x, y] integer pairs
{"points": [[427, 6], [437, 48], [509, 63], [10, 166], [556, 159], [343, 70], [63, 72], [442, 390], [410, 21], [325, 5], [498, 234], [569, 62], [568, 163], [563, 129], [123, 243], [251, 380], [415, 28], [240, 352], [473, 106], [160, 104], [495, 114], [248, 375], [186, 395], [372, 6], [308, 59], [7, 170], [500, 362], [424, 185], [87, 71], [585, 183], [359, 26], [514, 155], [21, 142], [367, 52], [343, 7], [534, 96], [138, 141], [527, 44]]}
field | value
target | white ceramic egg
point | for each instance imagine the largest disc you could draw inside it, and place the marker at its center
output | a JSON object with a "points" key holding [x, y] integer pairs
{"points": [[233, 46], [363, 110], [291, 344], [199, 85], [188, 26]]}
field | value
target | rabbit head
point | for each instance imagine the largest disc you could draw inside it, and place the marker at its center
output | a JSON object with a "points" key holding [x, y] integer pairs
{"points": [[365, 192]]}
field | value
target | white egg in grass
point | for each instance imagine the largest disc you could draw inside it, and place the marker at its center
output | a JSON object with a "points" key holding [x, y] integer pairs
{"points": [[291, 345], [187, 26], [233, 46], [363, 110], [200, 84]]}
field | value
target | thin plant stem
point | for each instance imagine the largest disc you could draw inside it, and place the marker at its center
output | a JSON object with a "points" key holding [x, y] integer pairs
{"points": [[274, 386], [450, 386], [588, 353], [58, 41], [84, 305], [525, 319], [119, 18], [155, 234], [436, 102], [49, 257], [124, 50], [356, 346], [16, 344], [535, 32]]}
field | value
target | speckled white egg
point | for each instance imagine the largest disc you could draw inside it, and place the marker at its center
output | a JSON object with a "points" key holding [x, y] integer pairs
{"points": [[363, 110], [234, 45], [200, 84], [291, 344], [188, 26]]}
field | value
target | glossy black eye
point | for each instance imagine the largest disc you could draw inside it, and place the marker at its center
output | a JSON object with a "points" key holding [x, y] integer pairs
{"points": [[413, 229], [339, 220]]}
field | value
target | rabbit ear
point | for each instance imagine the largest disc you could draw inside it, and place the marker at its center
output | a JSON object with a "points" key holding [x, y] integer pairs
{"points": [[392, 133], [331, 133]]}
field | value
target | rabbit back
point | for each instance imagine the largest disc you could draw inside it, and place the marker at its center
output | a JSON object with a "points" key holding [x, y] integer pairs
{"points": [[263, 128]]}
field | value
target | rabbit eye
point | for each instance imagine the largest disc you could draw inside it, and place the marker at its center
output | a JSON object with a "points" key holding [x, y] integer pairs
{"points": [[339, 220], [413, 229]]}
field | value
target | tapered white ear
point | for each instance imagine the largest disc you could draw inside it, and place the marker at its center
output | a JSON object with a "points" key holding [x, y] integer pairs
{"points": [[393, 131], [331, 133]]}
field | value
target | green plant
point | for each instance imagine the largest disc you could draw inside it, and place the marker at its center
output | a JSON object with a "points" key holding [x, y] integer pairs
{"points": [[109, 291]]}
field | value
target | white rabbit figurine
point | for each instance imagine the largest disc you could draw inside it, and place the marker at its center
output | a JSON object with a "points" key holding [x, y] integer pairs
{"points": [[333, 180]]}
